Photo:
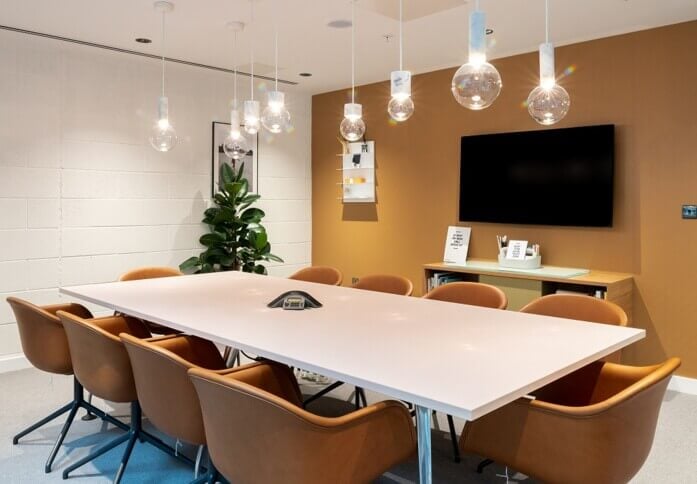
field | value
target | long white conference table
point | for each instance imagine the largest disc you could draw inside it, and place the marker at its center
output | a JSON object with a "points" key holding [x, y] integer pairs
{"points": [[457, 359]]}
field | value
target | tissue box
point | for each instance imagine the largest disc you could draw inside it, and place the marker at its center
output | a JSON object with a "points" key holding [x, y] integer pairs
{"points": [[529, 262]]}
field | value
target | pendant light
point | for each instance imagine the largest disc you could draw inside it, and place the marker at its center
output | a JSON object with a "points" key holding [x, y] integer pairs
{"points": [[236, 145], [477, 84], [275, 117], [401, 106], [352, 128], [548, 103], [163, 136], [252, 119]]}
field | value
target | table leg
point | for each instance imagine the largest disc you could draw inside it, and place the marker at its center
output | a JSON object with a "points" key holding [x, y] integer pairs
{"points": [[423, 431]]}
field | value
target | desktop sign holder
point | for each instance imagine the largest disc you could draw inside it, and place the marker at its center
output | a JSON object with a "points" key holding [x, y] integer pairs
{"points": [[518, 254], [457, 245]]}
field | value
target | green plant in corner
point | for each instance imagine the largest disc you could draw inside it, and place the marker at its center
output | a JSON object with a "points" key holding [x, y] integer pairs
{"points": [[237, 240]]}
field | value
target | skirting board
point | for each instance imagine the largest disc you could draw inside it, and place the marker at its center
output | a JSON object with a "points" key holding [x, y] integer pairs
{"points": [[18, 361], [13, 362]]}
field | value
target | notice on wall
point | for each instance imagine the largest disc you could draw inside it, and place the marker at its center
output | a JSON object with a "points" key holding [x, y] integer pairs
{"points": [[457, 244], [516, 249]]}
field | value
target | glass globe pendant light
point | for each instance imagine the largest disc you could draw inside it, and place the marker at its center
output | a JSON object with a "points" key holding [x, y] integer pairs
{"points": [[252, 118], [548, 103], [352, 127], [401, 106], [163, 137], [275, 117], [477, 84], [235, 144]]}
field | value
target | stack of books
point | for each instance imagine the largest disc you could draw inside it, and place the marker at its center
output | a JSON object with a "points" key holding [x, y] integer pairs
{"points": [[440, 278]]}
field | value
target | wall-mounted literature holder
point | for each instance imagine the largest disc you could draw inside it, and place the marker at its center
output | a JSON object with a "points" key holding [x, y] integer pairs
{"points": [[358, 172]]}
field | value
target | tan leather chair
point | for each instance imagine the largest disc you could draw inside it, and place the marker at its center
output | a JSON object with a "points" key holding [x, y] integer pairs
{"points": [[472, 293], [385, 283], [152, 272], [320, 275], [46, 347], [165, 391], [581, 308], [102, 365], [257, 431], [595, 425]]}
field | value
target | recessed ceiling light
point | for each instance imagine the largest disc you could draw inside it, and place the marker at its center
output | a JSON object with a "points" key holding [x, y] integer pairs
{"points": [[489, 31], [305, 74], [143, 40], [339, 24]]}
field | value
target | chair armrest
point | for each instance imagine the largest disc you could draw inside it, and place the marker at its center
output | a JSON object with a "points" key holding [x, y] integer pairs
{"points": [[116, 325], [72, 308]]}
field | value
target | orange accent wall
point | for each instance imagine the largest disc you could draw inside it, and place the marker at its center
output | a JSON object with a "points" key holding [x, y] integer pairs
{"points": [[643, 82]]}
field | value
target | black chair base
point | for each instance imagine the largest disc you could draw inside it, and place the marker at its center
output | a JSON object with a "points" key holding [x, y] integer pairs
{"points": [[359, 396], [135, 433], [210, 477], [77, 403], [483, 464]]}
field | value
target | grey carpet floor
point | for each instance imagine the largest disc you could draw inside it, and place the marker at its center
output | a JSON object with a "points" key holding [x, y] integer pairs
{"points": [[28, 395]]}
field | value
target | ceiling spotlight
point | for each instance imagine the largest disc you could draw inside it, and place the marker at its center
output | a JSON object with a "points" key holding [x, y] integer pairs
{"points": [[305, 74], [489, 31], [143, 40]]}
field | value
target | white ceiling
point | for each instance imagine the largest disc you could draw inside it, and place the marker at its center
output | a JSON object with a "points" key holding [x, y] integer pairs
{"points": [[435, 33]]}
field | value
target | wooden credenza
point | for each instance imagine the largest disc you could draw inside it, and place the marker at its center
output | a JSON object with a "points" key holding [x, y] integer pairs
{"points": [[617, 287]]}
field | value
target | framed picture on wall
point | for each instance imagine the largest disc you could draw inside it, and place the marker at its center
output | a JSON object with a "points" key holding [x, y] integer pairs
{"points": [[218, 157]]}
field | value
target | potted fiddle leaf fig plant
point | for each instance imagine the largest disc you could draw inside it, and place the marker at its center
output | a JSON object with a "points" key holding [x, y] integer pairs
{"points": [[237, 241]]}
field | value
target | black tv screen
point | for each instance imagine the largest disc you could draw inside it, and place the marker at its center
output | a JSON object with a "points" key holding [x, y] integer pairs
{"points": [[546, 177]]}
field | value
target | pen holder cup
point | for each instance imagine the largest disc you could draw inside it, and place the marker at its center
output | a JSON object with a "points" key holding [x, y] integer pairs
{"points": [[528, 263]]}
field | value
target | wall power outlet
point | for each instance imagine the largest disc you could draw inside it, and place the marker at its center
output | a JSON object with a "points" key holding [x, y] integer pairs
{"points": [[689, 211], [354, 280]]}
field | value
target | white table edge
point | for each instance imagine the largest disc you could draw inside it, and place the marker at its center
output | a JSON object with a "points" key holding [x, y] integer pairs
{"points": [[386, 390]]}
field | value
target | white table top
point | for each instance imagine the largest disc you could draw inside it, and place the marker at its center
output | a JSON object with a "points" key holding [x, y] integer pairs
{"points": [[458, 359]]}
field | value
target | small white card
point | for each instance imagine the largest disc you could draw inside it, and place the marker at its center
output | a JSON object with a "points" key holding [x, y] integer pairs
{"points": [[516, 249], [456, 245]]}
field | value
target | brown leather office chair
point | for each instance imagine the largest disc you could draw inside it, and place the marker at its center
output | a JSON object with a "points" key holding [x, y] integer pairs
{"points": [[152, 272], [102, 365], [594, 425], [257, 431], [379, 283], [46, 347], [385, 283], [582, 308], [165, 391], [474, 294], [319, 274]]}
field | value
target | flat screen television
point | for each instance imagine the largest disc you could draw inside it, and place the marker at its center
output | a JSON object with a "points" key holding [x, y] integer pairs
{"points": [[545, 177]]}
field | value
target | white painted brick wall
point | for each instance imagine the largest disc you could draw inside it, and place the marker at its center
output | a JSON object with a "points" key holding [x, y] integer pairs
{"points": [[83, 197]]}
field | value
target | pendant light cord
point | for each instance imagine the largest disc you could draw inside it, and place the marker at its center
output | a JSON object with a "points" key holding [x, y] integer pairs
{"points": [[547, 21], [476, 5], [251, 28], [234, 61], [163, 53], [276, 41], [401, 41], [353, 52]]}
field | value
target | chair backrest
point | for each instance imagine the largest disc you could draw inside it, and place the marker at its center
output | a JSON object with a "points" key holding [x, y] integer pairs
{"points": [[257, 431], [165, 391], [100, 360], [385, 283], [153, 272], [319, 274], [582, 308], [603, 415], [42, 335], [472, 293]]}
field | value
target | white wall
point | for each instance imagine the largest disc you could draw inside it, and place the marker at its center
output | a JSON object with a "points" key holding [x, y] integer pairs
{"points": [[83, 197]]}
